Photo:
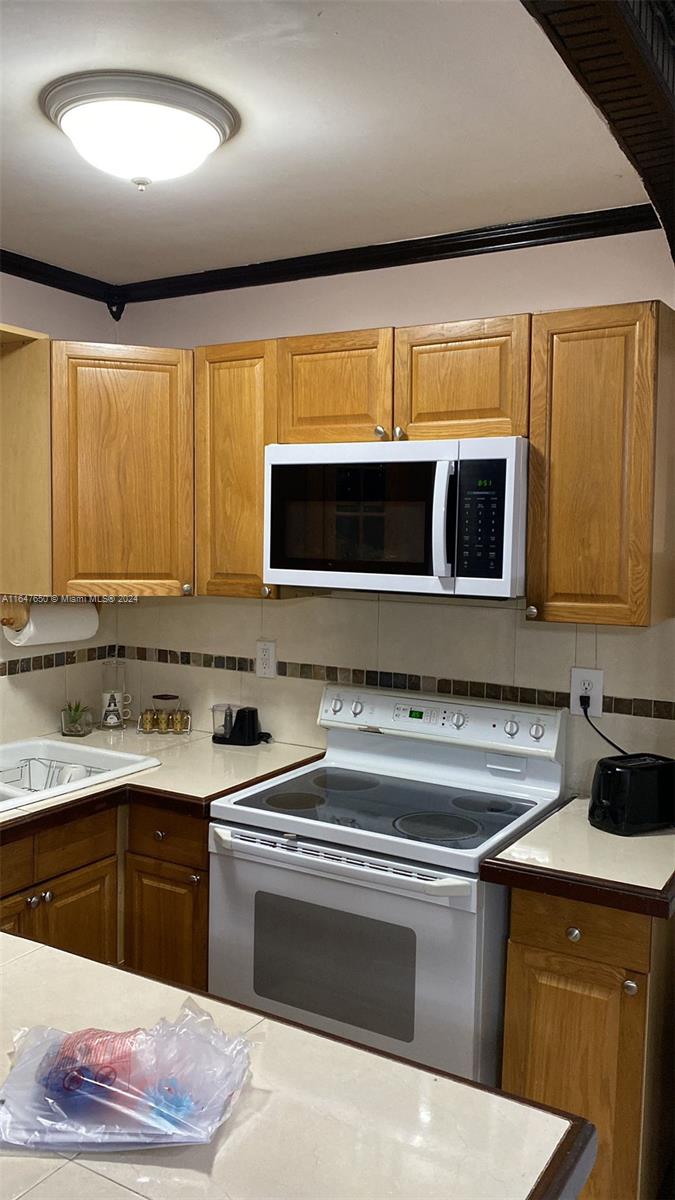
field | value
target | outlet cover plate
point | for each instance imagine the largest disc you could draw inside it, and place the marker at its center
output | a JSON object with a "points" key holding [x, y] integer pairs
{"points": [[266, 659], [586, 681]]}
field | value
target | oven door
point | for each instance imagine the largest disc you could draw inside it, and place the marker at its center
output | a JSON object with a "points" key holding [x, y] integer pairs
{"points": [[362, 516], [380, 952]]}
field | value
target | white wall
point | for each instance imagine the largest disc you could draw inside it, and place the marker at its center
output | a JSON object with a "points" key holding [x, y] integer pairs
{"points": [[608, 270], [48, 310]]}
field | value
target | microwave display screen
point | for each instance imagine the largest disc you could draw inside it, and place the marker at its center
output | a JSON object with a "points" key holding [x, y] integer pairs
{"points": [[359, 517]]}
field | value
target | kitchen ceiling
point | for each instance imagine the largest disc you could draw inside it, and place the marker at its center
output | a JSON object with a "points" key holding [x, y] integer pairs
{"points": [[362, 122]]}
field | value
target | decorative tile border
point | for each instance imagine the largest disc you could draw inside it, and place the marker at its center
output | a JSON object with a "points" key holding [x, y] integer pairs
{"points": [[357, 676], [59, 658]]}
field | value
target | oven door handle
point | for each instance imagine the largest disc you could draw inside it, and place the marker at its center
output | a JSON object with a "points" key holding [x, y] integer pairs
{"points": [[439, 519], [334, 865]]}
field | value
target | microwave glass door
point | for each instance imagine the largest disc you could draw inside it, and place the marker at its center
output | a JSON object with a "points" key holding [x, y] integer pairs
{"points": [[365, 517]]}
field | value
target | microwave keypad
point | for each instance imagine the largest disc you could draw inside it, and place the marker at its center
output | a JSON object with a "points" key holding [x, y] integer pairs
{"points": [[480, 518]]}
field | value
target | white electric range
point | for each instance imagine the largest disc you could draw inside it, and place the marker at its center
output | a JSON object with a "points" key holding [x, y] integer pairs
{"points": [[345, 894]]}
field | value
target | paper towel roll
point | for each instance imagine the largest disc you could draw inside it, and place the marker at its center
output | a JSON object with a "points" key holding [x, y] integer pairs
{"points": [[55, 623]]}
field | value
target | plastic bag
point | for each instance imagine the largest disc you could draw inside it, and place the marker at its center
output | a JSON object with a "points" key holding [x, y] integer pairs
{"points": [[172, 1084]]}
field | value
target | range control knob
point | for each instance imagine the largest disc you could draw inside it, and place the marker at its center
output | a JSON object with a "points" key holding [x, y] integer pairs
{"points": [[357, 708], [537, 731], [511, 728], [458, 719], [336, 704]]}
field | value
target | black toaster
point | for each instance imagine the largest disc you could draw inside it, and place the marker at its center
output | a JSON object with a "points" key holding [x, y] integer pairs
{"points": [[633, 793]]}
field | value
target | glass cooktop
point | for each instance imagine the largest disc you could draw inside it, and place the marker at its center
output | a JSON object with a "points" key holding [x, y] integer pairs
{"points": [[403, 808]]}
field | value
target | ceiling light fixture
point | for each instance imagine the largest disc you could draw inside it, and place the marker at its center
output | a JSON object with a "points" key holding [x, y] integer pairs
{"points": [[139, 126]]}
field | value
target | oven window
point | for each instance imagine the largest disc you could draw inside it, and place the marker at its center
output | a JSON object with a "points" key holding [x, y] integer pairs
{"points": [[361, 517], [350, 968]]}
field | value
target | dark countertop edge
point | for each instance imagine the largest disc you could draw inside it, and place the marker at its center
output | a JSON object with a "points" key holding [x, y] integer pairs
{"points": [[610, 893], [564, 1161], [121, 793]]}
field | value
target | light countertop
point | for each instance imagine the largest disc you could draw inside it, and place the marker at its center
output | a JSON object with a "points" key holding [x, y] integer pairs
{"points": [[566, 845], [190, 765], [319, 1119]]}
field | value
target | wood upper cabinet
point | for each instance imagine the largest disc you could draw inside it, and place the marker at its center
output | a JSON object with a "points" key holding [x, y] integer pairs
{"points": [[463, 379], [574, 1040], [601, 535], [235, 418], [122, 444], [336, 387], [25, 458], [167, 920]]}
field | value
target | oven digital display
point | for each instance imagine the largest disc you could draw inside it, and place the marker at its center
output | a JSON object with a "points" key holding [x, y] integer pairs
{"points": [[417, 713]]}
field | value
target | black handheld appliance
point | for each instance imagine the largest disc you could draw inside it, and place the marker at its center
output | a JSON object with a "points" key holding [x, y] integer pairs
{"points": [[245, 730], [633, 793]]}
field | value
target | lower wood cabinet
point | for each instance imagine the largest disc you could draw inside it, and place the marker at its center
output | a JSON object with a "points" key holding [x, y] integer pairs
{"points": [[587, 1032], [166, 908], [76, 912]]}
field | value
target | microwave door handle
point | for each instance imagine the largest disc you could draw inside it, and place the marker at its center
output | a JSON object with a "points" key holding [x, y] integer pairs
{"points": [[332, 864], [439, 553]]}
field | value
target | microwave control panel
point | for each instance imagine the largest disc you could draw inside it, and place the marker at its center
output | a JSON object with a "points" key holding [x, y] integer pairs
{"points": [[481, 501]]}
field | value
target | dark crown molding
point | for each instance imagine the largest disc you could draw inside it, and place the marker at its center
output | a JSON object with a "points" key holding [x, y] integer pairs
{"points": [[622, 53], [516, 236]]}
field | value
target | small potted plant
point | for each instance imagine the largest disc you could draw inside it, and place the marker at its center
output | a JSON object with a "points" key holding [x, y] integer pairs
{"points": [[76, 720]]}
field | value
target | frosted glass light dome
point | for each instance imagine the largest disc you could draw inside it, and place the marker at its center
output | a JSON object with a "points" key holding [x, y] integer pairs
{"points": [[137, 126]]}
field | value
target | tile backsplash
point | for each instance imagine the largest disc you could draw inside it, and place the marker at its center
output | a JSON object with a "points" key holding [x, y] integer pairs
{"points": [[204, 649]]}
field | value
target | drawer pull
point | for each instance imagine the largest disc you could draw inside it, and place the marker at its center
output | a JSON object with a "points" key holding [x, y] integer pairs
{"points": [[195, 879], [159, 835], [630, 987], [33, 901], [573, 934], [48, 897]]}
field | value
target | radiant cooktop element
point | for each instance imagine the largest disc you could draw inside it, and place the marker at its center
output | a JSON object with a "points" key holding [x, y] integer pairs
{"points": [[401, 808]]}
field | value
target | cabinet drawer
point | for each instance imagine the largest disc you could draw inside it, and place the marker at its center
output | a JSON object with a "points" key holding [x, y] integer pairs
{"points": [[75, 843], [605, 935], [16, 864], [169, 835]]}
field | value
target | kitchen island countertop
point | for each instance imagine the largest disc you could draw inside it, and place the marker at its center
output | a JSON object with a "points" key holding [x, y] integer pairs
{"points": [[319, 1118]]}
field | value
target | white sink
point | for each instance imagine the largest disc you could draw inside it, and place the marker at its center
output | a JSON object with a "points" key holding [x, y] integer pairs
{"points": [[40, 768]]}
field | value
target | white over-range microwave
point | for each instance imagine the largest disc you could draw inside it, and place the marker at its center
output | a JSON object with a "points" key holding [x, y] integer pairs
{"points": [[441, 517]]}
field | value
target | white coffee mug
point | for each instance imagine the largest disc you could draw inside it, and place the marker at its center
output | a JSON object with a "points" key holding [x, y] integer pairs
{"points": [[114, 710]]}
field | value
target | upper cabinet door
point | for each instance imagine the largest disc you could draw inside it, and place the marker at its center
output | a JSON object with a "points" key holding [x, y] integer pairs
{"points": [[122, 470], [463, 379], [336, 387], [236, 416], [592, 433]]}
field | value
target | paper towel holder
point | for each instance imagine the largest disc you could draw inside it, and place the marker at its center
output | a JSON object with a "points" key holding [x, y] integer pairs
{"points": [[15, 614]]}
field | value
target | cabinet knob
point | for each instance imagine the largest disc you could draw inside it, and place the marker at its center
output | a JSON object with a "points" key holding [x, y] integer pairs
{"points": [[399, 433], [573, 934], [195, 879], [32, 901], [531, 612], [630, 987], [380, 431], [186, 589], [48, 897], [159, 835], [265, 591]]}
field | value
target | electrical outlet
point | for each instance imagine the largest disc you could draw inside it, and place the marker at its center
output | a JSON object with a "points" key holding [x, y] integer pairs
{"points": [[266, 659], [585, 681]]}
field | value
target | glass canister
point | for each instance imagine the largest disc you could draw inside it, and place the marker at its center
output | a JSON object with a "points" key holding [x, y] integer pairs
{"points": [[223, 718]]}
